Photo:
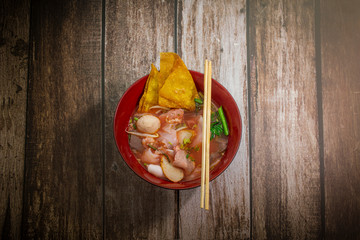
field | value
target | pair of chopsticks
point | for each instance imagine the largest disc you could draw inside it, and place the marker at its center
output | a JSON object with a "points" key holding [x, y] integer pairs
{"points": [[205, 161]]}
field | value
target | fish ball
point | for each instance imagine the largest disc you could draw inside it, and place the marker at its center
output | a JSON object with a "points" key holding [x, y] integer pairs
{"points": [[148, 124]]}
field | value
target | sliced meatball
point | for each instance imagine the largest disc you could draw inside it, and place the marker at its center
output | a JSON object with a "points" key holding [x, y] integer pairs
{"points": [[181, 161], [135, 143]]}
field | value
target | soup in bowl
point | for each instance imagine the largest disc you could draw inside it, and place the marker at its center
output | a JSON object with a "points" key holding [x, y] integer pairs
{"points": [[148, 142]]}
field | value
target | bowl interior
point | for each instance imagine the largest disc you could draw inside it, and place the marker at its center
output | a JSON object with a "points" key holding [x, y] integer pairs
{"points": [[126, 107]]}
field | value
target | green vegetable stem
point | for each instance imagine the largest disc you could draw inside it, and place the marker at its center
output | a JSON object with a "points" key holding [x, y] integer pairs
{"points": [[223, 121], [198, 100]]}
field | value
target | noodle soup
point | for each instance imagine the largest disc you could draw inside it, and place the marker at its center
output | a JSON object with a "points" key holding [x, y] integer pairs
{"points": [[168, 142]]}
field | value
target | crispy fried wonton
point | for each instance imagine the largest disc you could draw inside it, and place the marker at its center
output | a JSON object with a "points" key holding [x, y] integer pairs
{"points": [[172, 87], [151, 91], [178, 89]]}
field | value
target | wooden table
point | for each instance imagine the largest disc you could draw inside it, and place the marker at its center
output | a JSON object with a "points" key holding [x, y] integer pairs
{"points": [[293, 68]]}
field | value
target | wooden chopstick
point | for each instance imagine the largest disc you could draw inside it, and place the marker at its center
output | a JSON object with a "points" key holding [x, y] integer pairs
{"points": [[203, 152], [208, 123], [205, 162]]}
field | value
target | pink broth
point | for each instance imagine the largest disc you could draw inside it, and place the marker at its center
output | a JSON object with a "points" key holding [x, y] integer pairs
{"points": [[184, 153]]}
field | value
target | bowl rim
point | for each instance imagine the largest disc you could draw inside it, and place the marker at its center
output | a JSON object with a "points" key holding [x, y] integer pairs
{"points": [[178, 187]]}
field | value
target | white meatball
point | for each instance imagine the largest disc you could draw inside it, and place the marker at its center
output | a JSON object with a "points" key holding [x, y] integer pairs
{"points": [[156, 170], [148, 124]]}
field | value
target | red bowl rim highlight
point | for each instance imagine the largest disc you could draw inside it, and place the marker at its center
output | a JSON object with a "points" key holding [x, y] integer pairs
{"points": [[219, 95]]}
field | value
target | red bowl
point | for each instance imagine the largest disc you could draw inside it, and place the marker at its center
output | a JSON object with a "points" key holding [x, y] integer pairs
{"points": [[127, 105]]}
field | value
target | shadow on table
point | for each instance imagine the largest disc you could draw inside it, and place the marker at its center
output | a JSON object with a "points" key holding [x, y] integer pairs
{"points": [[87, 186], [135, 208]]}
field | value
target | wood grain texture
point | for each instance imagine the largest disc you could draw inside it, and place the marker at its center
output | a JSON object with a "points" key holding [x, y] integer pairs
{"points": [[339, 25], [63, 179], [136, 32], [284, 121], [14, 37], [217, 31]]}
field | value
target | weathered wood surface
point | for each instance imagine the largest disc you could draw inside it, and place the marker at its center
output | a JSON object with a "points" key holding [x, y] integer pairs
{"points": [[284, 121], [217, 31], [136, 32], [63, 179], [14, 35], [296, 174], [340, 67]]}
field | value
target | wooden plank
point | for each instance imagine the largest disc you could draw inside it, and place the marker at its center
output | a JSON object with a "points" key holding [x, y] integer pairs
{"points": [[217, 31], [286, 196], [339, 25], [136, 32], [63, 179], [14, 37]]}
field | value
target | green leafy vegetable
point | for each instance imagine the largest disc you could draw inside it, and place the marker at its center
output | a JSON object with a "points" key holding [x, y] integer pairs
{"points": [[216, 129], [218, 124]]}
